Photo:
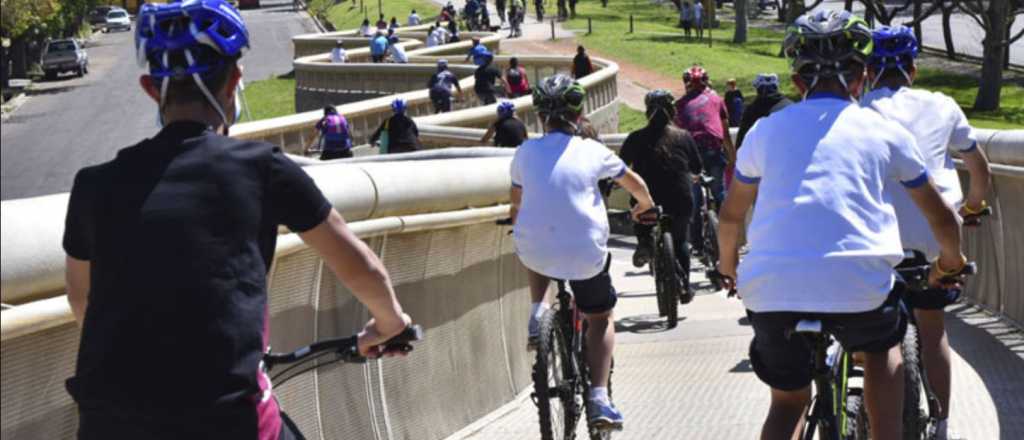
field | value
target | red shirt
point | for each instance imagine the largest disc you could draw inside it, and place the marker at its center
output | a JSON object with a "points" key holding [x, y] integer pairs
{"points": [[701, 114]]}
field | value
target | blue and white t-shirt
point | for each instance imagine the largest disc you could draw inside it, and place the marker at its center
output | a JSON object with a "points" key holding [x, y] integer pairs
{"points": [[824, 236], [562, 227], [938, 125]]}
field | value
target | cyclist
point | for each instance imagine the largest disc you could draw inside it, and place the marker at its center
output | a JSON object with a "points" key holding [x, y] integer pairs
{"points": [[397, 134], [508, 130], [515, 77], [477, 52], [168, 247], [824, 238], [939, 125], [768, 101], [561, 226], [666, 157], [334, 135], [484, 77], [440, 85]]}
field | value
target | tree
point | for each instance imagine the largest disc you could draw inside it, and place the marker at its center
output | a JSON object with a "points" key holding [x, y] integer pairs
{"points": [[790, 10], [995, 18], [740, 33]]}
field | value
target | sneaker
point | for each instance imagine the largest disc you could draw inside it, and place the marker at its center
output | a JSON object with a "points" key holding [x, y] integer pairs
{"points": [[641, 256], [533, 334], [604, 415], [687, 295]]}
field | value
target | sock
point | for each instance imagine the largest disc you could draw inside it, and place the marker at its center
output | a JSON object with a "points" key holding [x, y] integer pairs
{"points": [[940, 430], [537, 309], [599, 394]]}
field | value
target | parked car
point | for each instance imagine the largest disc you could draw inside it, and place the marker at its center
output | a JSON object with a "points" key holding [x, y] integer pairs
{"points": [[64, 56], [118, 19], [98, 16]]}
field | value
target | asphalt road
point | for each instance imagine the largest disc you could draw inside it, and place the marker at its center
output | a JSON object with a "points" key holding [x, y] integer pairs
{"points": [[72, 122]]}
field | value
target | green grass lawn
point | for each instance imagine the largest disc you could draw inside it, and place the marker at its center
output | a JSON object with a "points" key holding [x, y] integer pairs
{"points": [[346, 15], [630, 119], [270, 98], [657, 44]]}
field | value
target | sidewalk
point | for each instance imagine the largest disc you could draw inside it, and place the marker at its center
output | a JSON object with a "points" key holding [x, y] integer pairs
{"points": [[695, 381]]}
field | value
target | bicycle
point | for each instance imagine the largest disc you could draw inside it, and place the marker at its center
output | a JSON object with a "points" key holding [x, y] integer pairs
{"points": [[561, 381], [344, 350], [664, 267], [708, 219]]}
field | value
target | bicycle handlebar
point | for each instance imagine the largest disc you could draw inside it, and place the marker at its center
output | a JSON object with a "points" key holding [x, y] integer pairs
{"points": [[975, 219], [346, 349], [916, 276]]}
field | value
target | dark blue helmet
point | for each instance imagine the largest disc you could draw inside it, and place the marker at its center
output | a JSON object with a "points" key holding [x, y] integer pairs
{"points": [[506, 108], [205, 33], [893, 45], [398, 106]]}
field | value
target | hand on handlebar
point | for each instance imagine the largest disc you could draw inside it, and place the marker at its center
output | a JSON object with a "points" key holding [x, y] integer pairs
{"points": [[640, 208], [947, 274], [371, 338], [972, 217]]}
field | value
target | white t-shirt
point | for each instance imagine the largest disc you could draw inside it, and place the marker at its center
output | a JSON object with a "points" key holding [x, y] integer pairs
{"points": [[562, 227], [938, 125], [824, 236], [413, 20], [398, 54], [338, 55]]}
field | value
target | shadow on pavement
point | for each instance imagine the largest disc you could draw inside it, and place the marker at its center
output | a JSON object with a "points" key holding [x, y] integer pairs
{"points": [[643, 324], [981, 340], [742, 366]]}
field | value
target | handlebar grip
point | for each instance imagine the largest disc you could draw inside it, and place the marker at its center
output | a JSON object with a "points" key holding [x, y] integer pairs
{"points": [[975, 219], [399, 343]]}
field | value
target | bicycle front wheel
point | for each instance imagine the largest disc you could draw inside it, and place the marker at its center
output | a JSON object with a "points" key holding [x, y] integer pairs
{"points": [[553, 382], [667, 282]]}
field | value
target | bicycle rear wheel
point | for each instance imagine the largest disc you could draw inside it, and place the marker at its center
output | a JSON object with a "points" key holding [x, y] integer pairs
{"points": [[553, 385], [915, 419], [667, 280]]}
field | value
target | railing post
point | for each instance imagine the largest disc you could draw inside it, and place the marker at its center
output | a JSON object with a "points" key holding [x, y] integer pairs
{"points": [[631, 23], [552, 28], [590, 26]]}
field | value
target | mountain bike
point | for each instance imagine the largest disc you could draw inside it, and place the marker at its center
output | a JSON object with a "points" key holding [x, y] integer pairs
{"points": [[666, 270], [330, 351], [561, 380], [708, 219]]}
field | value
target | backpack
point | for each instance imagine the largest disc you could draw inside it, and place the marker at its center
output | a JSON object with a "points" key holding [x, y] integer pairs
{"points": [[515, 76]]}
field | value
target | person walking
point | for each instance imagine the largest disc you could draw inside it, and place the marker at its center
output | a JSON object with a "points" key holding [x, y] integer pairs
{"points": [[507, 130], [698, 18], [515, 77], [397, 134], [734, 102], [500, 6], [485, 75], [686, 19], [581, 65]]}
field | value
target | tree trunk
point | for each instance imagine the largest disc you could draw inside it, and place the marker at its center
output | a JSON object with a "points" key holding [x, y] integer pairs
{"points": [[992, 65], [917, 25], [848, 5], [794, 9], [740, 34], [4, 69], [947, 32]]}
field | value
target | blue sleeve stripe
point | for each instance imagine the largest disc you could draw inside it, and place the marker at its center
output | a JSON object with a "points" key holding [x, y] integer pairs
{"points": [[974, 146], [917, 181], [748, 180], [621, 173]]}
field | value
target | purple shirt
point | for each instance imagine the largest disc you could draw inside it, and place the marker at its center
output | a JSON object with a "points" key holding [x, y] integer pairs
{"points": [[701, 114]]}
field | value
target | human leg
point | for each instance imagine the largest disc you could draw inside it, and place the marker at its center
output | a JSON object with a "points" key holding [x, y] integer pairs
{"points": [[714, 166], [644, 244], [538, 289], [936, 355], [883, 392], [786, 414]]}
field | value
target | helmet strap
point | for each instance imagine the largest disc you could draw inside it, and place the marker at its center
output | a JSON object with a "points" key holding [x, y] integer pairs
{"points": [[206, 92]]}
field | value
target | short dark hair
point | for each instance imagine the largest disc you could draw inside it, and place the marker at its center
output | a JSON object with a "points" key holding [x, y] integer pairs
{"points": [[184, 90]]}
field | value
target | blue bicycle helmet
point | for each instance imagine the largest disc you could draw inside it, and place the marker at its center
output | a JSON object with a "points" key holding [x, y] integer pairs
{"points": [[895, 48], [398, 106], [191, 38], [506, 109]]}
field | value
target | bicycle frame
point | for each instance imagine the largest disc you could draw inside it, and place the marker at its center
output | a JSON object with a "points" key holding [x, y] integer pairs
{"points": [[827, 416], [571, 320]]}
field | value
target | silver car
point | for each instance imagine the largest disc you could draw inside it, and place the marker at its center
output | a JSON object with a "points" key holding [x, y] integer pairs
{"points": [[118, 19], [64, 56]]}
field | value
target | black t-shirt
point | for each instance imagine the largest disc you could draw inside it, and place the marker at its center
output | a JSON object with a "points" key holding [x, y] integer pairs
{"points": [[509, 132], [485, 76], [581, 66], [666, 157], [762, 106], [180, 231], [403, 135]]}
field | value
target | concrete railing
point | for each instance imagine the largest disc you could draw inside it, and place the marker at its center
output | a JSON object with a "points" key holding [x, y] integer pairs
{"points": [[454, 270]]}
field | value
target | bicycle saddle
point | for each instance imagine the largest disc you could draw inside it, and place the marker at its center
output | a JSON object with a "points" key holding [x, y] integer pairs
{"points": [[809, 326]]}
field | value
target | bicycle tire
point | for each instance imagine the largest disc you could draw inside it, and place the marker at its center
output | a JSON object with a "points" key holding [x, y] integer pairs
{"points": [[557, 422], [668, 285], [856, 418], [915, 420], [711, 251]]}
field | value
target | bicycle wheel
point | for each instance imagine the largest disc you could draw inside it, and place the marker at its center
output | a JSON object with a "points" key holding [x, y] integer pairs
{"points": [[856, 427], [667, 280], [915, 419], [711, 252], [553, 389]]}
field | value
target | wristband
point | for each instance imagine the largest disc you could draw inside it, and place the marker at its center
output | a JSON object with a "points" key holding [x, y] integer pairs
{"points": [[969, 211], [938, 268]]}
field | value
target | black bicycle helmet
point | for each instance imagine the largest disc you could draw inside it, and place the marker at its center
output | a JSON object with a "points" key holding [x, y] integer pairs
{"points": [[559, 96], [826, 43], [660, 100]]}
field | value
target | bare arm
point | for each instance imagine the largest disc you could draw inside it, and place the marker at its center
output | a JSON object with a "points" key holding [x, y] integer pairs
{"points": [[488, 134], [77, 278], [981, 177], [632, 182], [944, 224], [363, 273], [731, 218]]}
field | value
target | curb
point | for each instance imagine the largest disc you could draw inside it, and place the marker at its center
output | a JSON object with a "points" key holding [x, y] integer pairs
{"points": [[316, 22], [12, 106]]}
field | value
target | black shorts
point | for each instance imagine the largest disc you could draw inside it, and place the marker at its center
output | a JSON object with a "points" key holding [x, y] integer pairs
{"points": [[783, 361], [595, 295], [442, 101], [487, 98], [377, 58], [336, 154]]}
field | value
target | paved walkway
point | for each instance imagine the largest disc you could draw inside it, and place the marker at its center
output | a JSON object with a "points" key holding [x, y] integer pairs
{"points": [[695, 381]]}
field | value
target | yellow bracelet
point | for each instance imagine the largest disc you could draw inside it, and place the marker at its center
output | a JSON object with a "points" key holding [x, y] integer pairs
{"points": [[969, 211], [963, 262]]}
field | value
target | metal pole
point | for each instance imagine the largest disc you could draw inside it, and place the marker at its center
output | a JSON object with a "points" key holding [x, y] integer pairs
{"points": [[380, 7], [552, 28], [590, 26], [631, 23]]}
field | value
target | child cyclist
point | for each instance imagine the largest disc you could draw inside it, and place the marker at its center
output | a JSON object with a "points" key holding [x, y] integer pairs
{"points": [[824, 237], [561, 225], [168, 247], [939, 126]]}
